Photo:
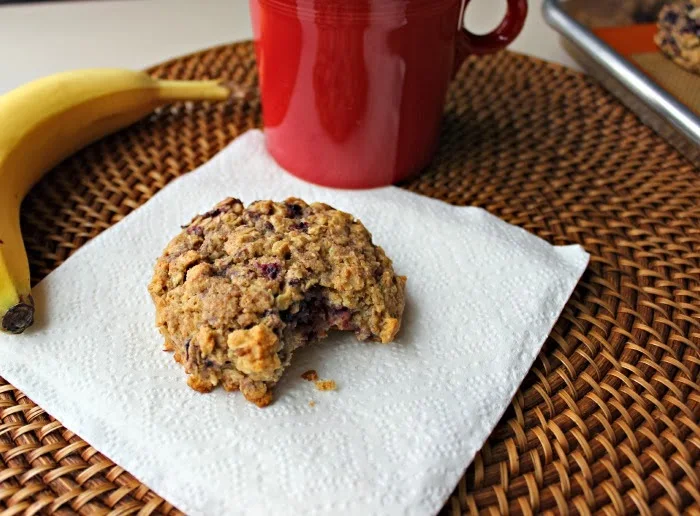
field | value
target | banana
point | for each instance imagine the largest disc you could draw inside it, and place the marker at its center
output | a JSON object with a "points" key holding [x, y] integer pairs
{"points": [[46, 121]]}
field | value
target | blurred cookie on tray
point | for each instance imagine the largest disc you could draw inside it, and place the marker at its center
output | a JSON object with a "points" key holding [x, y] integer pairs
{"points": [[679, 33], [614, 13]]}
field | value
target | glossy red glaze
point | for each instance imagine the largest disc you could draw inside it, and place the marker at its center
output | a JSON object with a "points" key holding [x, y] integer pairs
{"points": [[353, 90]]}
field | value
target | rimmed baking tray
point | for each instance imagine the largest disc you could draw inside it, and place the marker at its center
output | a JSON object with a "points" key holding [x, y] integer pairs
{"points": [[577, 21]]}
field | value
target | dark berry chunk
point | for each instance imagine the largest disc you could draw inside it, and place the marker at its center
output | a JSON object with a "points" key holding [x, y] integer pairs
{"points": [[294, 210], [339, 318], [222, 207], [223, 272], [195, 230], [299, 226], [213, 213], [270, 270]]}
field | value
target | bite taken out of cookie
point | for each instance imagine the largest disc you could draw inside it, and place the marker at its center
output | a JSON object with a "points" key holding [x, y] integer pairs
{"points": [[240, 289]]}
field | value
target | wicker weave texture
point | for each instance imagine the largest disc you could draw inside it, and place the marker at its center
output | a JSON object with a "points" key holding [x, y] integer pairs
{"points": [[607, 421]]}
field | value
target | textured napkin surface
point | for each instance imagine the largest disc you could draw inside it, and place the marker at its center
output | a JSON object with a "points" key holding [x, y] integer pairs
{"points": [[407, 417]]}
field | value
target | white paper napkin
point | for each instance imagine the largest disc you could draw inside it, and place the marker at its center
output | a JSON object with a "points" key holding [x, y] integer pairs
{"points": [[407, 418]]}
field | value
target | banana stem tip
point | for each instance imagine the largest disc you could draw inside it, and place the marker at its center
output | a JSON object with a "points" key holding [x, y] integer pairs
{"points": [[19, 317]]}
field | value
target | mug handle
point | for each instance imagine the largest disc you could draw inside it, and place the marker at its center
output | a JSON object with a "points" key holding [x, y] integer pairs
{"points": [[469, 43]]}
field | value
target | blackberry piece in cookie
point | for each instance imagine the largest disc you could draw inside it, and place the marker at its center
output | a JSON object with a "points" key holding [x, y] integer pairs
{"points": [[240, 289]]}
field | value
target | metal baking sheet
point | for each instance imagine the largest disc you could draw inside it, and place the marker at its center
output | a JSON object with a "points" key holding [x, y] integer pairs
{"points": [[672, 119]]}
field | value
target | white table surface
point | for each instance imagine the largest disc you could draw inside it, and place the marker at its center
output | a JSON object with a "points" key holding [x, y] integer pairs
{"points": [[42, 38]]}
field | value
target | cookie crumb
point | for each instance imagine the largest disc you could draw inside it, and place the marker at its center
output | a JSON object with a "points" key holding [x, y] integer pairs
{"points": [[312, 403], [325, 385], [310, 375]]}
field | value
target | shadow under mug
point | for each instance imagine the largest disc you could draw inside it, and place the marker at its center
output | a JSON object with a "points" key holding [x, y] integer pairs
{"points": [[353, 90]]}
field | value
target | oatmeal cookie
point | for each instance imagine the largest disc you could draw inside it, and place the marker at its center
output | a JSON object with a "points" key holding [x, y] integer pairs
{"points": [[239, 289], [679, 33]]}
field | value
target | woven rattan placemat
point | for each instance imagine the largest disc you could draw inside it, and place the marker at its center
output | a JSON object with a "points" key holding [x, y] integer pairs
{"points": [[609, 417]]}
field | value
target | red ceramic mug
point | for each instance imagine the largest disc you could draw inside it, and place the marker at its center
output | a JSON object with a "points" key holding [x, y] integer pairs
{"points": [[353, 90]]}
